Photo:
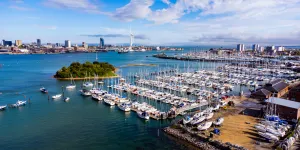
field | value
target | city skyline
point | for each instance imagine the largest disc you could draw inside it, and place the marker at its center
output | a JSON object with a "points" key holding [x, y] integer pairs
{"points": [[153, 22]]}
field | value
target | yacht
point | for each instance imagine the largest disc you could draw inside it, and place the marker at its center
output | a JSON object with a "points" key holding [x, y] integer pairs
{"points": [[43, 90], [204, 126], [143, 115], [3, 107], [19, 103], [56, 96], [87, 84], [125, 107], [108, 101], [72, 85], [85, 92]]}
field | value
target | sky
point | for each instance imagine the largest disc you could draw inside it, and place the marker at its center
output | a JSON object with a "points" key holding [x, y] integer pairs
{"points": [[153, 22]]}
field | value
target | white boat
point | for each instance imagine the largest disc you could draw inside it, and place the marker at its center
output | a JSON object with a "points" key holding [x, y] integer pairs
{"points": [[109, 102], [204, 126], [72, 85], [56, 96], [219, 121], [67, 99], [143, 115], [3, 107], [124, 106], [268, 136], [187, 119], [20, 103], [209, 116], [197, 120], [85, 92], [43, 90], [88, 84]]}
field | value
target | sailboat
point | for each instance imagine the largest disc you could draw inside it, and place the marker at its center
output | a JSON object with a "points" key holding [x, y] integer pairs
{"points": [[143, 115], [72, 85], [204, 126]]}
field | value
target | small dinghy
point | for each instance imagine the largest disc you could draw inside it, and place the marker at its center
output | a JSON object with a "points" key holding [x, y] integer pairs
{"points": [[56, 96], [219, 121], [187, 119], [67, 99]]}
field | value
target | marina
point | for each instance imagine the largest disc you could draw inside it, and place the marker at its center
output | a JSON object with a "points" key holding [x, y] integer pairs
{"points": [[193, 92]]}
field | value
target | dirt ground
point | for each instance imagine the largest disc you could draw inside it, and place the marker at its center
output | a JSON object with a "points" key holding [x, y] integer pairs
{"points": [[236, 130]]}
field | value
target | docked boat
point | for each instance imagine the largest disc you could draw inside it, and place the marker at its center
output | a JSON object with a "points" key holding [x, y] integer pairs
{"points": [[87, 84], [109, 102], [219, 121], [67, 99], [56, 96], [72, 85], [143, 115], [85, 92], [268, 136], [97, 97], [197, 120], [187, 119], [124, 106], [204, 126], [3, 107], [43, 90]]}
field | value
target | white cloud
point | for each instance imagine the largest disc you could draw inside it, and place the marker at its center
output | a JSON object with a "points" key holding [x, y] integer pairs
{"points": [[166, 2], [82, 5], [135, 9]]}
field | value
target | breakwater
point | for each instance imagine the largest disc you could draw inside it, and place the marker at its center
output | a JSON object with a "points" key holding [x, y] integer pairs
{"points": [[186, 58]]}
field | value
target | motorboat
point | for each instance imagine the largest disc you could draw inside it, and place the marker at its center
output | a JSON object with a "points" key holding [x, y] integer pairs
{"points": [[143, 115], [187, 119], [219, 121], [109, 102], [97, 97], [19, 103], [67, 99], [85, 92], [71, 86], [3, 107], [56, 96], [204, 126], [124, 106], [43, 90]]}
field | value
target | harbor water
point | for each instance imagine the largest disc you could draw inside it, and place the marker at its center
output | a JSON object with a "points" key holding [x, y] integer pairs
{"points": [[81, 123]]}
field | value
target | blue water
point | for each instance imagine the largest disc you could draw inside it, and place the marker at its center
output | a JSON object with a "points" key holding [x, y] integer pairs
{"points": [[82, 123]]}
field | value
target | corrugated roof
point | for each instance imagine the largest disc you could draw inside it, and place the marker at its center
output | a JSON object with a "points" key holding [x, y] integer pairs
{"points": [[284, 102], [262, 92], [277, 86]]}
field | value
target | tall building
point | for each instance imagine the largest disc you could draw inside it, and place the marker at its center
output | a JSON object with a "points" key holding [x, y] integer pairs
{"points": [[7, 43], [280, 48], [67, 43], [270, 50], [38, 42], [57, 44], [240, 47], [2, 42], [255, 47], [85, 45], [261, 49], [18, 42], [101, 43]]}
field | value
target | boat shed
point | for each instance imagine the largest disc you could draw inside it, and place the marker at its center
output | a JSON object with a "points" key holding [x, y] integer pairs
{"points": [[285, 109], [276, 88]]}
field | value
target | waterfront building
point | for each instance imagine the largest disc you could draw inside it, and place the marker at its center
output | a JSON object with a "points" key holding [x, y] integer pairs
{"points": [[261, 49], [276, 88], [240, 47], [38, 42], [270, 50], [2, 42], [286, 109], [280, 48], [85, 45], [255, 47], [101, 43], [67, 44], [57, 45], [294, 93], [7, 43], [18, 43]]}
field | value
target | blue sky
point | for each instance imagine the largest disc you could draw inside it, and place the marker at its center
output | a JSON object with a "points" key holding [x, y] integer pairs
{"points": [[153, 22]]}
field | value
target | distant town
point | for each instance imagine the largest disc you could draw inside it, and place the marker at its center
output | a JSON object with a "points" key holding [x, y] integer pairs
{"points": [[8, 47]]}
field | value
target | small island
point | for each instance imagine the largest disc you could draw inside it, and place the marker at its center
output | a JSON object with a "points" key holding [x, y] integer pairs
{"points": [[86, 70]]}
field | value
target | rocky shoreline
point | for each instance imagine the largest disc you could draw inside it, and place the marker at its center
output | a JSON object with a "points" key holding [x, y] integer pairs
{"points": [[92, 78], [200, 141]]}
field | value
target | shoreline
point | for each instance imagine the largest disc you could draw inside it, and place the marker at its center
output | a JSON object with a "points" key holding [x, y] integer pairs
{"points": [[111, 77]]}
